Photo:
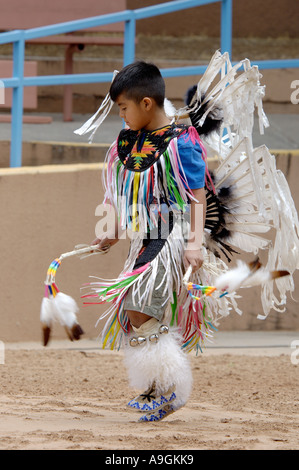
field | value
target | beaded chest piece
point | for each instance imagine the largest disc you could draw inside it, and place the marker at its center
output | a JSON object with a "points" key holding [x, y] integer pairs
{"points": [[138, 150]]}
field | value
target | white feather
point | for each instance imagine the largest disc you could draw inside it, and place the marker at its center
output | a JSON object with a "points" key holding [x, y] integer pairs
{"points": [[250, 227], [48, 312], [169, 108], [232, 279], [246, 276], [261, 276], [248, 242], [66, 309]]}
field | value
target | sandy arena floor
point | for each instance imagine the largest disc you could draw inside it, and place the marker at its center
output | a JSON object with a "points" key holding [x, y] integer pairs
{"points": [[75, 399]]}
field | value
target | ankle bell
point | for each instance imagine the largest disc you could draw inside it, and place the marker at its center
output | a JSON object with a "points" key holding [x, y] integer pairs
{"points": [[153, 338]]}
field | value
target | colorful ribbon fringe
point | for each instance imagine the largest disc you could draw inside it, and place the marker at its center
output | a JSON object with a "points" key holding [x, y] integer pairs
{"points": [[50, 286], [192, 320], [205, 290]]}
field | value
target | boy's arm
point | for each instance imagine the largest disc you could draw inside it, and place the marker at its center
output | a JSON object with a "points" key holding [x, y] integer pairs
{"points": [[193, 254], [108, 238]]}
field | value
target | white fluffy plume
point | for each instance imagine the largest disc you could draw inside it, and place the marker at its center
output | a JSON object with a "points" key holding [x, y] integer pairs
{"points": [[246, 275], [67, 309], [61, 308], [169, 108]]}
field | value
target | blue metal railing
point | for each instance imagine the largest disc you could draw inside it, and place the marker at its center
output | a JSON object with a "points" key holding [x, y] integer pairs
{"points": [[17, 82]]}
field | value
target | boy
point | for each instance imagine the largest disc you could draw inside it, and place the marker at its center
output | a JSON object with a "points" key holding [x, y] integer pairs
{"points": [[155, 177]]}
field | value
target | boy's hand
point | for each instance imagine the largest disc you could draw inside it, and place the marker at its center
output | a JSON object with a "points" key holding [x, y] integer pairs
{"points": [[193, 255], [105, 242], [194, 258]]}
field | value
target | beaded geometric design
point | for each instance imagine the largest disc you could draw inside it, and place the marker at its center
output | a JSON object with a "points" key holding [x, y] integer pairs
{"points": [[158, 414], [153, 404], [138, 150]]}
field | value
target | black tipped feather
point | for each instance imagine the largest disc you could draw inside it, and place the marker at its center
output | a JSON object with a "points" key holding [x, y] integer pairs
{"points": [[215, 222], [211, 123], [190, 94]]}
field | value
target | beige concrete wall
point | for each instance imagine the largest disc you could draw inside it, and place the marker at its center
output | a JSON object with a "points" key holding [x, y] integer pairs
{"points": [[46, 211], [48, 153]]}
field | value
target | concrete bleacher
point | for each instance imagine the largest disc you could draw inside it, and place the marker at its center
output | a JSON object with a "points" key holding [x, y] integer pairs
{"points": [[34, 15]]}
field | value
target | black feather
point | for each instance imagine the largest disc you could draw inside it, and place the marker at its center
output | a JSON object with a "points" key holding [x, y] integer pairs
{"points": [[210, 124], [215, 222], [224, 192], [190, 94]]}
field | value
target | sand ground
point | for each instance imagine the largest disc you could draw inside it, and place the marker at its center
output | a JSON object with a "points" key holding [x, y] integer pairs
{"points": [[74, 399]]}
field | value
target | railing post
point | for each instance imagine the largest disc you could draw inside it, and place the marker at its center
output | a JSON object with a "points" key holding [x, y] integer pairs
{"points": [[226, 26], [17, 103], [129, 45]]}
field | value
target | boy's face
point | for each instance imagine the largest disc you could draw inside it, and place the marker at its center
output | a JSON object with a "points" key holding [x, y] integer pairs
{"points": [[136, 115]]}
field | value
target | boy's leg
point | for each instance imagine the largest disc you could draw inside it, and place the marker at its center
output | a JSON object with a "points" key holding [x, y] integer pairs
{"points": [[154, 358], [156, 364], [137, 318]]}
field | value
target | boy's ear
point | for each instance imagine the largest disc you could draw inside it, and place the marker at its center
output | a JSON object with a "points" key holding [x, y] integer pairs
{"points": [[147, 103]]}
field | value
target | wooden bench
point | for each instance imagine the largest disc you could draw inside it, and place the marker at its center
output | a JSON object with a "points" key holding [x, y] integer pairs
{"points": [[31, 14], [30, 93], [75, 43]]}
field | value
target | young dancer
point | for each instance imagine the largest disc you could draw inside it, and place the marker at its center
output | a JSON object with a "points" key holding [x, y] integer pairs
{"points": [[155, 180], [182, 219]]}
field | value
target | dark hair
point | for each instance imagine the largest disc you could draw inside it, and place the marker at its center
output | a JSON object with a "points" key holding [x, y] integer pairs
{"points": [[138, 80]]}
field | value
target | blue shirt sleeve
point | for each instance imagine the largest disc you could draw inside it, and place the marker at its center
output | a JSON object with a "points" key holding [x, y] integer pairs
{"points": [[192, 162]]}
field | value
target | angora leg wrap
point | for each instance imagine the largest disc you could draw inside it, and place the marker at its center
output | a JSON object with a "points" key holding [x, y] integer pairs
{"points": [[162, 363]]}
